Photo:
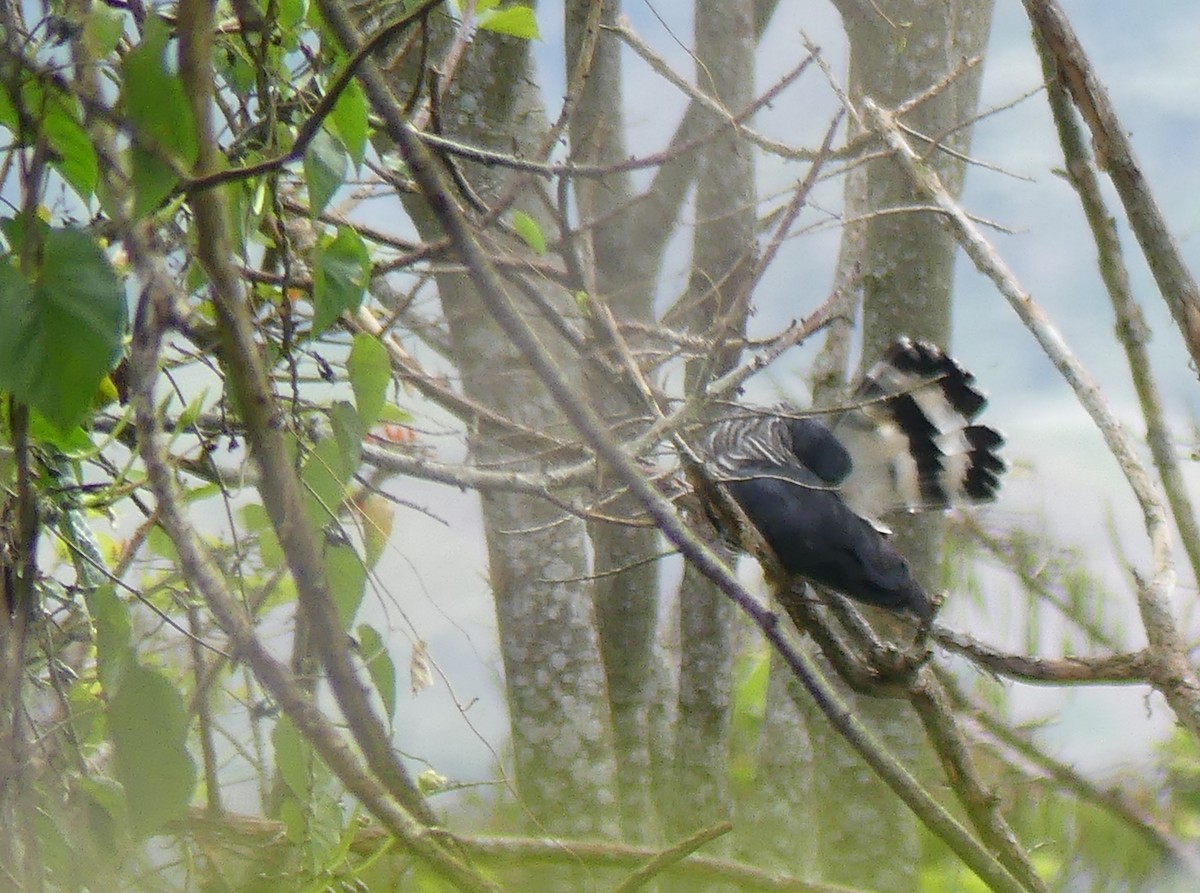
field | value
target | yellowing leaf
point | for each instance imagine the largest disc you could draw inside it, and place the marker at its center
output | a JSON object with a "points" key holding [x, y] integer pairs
{"points": [[515, 21], [529, 231]]}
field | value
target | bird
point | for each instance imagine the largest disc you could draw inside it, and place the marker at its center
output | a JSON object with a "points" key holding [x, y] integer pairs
{"points": [[815, 485]]}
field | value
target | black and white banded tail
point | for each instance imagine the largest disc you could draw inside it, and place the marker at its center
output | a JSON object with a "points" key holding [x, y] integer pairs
{"points": [[911, 432]]}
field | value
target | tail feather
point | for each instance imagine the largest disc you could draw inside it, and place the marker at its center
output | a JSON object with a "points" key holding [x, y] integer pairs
{"points": [[982, 480], [908, 365], [911, 437]]}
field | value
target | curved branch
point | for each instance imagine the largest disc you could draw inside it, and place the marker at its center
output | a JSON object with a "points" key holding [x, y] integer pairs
{"points": [[281, 489], [1115, 669], [1131, 324]]}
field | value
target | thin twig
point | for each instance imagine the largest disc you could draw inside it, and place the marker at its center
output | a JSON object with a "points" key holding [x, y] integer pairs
{"points": [[1114, 153], [671, 856], [639, 46]]}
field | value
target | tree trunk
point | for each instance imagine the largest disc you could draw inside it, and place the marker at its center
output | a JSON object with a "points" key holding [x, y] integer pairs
{"points": [[907, 263], [723, 251], [624, 273], [537, 556]]}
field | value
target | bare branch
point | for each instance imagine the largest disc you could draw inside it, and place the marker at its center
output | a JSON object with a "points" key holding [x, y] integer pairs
{"points": [[1132, 331], [1115, 154], [1116, 669], [672, 856], [1171, 672]]}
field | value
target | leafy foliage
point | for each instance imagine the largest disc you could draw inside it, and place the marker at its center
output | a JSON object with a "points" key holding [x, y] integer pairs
{"points": [[154, 100], [64, 321], [136, 707]]}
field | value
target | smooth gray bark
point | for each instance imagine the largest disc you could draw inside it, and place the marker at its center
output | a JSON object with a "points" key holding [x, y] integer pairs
{"points": [[537, 556], [723, 250], [624, 274], [907, 265]]}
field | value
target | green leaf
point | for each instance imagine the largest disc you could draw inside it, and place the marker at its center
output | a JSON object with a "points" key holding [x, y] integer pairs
{"points": [[293, 758], [86, 712], [191, 412], [291, 13], [236, 68], [325, 168], [235, 197], [8, 112], [58, 849], [393, 414], [347, 578], [377, 517], [370, 370], [156, 105], [75, 156], [750, 686], [114, 634], [348, 430], [529, 231], [103, 801], [339, 277], [148, 724], [349, 119], [17, 308], [292, 813], [515, 21], [57, 115], [103, 29], [312, 816], [379, 665], [105, 793], [324, 475], [154, 98], [255, 517], [61, 336], [161, 544], [72, 442], [153, 180]]}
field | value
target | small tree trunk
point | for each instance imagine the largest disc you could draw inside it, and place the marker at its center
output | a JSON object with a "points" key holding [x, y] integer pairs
{"points": [[624, 273], [723, 250], [537, 556], [907, 263]]}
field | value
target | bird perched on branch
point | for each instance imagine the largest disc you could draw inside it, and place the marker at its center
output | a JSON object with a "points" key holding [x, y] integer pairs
{"points": [[812, 486]]}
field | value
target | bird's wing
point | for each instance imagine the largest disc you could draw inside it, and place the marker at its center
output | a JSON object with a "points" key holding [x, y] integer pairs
{"points": [[749, 437], [814, 534]]}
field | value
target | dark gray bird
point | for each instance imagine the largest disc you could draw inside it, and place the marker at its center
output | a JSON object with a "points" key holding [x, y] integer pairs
{"points": [[813, 486]]}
